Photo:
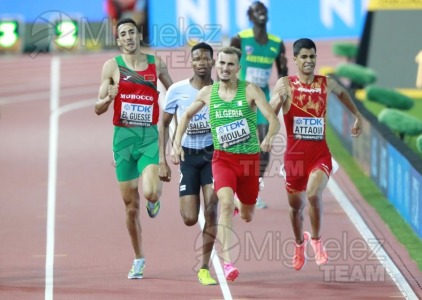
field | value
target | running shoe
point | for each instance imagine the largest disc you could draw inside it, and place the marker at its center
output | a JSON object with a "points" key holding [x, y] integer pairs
{"points": [[137, 270], [230, 272], [261, 183], [205, 278], [321, 256], [153, 208], [235, 211], [299, 257], [260, 203]]}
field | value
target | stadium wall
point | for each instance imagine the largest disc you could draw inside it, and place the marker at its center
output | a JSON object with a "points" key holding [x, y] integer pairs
{"points": [[395, 169]]}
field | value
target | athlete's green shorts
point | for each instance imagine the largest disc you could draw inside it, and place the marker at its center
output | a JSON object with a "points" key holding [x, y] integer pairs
{"points": [[260, 117], [134, 148]]}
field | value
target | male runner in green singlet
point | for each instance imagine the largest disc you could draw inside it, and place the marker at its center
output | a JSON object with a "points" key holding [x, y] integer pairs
{"points": [[232, 105]]}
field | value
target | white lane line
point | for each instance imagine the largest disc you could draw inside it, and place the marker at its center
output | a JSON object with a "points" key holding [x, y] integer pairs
{"points": [[52, 184], [55, 112], [27, 96], [52, 176], [216, 263], [371, 240]]}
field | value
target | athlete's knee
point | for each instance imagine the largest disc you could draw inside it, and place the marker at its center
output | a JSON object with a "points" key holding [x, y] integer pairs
{"points": [[189, 219], [132, 209], [151, 195], [314, 199], [227, 207], [296, 203]]}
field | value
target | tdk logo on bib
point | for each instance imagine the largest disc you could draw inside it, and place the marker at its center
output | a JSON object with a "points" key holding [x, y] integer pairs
{"points": [[309, 121], [232, 126], [137, 108], [199, 117]]}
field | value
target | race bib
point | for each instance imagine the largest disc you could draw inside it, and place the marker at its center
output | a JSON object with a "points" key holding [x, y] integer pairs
{"points": [[308, 128], [199, 124], [233, 133], [258, 76], [136, 114]]}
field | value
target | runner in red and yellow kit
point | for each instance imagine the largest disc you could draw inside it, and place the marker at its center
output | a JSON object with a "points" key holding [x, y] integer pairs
{"points": [[130, 80], [307, 160]]}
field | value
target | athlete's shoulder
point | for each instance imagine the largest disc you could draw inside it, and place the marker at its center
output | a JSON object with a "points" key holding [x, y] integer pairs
{"points": [[246, 33], [110, 66], [274, 38], [179, 86]]}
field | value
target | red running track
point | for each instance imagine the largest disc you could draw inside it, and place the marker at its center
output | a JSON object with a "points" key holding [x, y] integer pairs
{"points": [[92, 252]]}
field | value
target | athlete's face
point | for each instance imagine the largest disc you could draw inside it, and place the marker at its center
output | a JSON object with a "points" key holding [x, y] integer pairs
{"points": [[227, 66], [202, 62], [129, 38], [258, 14], [305, 61]]}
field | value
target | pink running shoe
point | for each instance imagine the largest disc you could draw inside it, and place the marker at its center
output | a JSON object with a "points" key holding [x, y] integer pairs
{"points": [[235, 211], [299, 258], [321, 256], [230, 272]]}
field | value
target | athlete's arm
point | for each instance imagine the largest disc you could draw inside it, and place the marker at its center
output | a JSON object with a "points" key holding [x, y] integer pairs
{"points": [[280, 95], [345, 98], [258, 97], [281, 61], [201, 100], [108, 90], [164, 171], [163, 73]]}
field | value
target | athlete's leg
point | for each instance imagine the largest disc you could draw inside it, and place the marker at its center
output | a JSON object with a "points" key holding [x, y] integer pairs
{"points": [[210, 227], [264, 157], [189, 189], [246, 211], [151, 183], [189, 209], [130, 195], [316, 184], [297, 202], [225, 222]]}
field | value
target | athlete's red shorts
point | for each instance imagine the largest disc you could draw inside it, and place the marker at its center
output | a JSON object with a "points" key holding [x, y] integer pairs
{"points": [[240, 172], [297, 169]]}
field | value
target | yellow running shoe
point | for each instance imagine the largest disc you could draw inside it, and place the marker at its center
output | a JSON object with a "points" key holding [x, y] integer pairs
{"points": [[205, 278]]}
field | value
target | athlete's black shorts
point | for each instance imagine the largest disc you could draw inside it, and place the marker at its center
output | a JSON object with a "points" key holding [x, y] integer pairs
{"points": [[195, 170]]}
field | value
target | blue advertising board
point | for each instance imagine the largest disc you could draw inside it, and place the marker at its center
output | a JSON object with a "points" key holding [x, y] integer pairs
{"points": [[215, 20], [416, 202], [391, 171]]}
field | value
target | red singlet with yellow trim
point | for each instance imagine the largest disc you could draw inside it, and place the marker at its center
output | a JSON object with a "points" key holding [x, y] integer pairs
{"points": [[136, 103]]}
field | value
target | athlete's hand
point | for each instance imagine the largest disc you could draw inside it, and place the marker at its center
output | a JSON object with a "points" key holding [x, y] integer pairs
{"points": [[357, 127], [177, 154], [112, 91], [282, 89], [164, 172], [267, 144]]}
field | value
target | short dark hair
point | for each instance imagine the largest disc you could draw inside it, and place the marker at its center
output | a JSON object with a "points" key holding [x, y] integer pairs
{"points": [[303, 43], [124, 21], [231, 50], [202, 45], [250, 8]]}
